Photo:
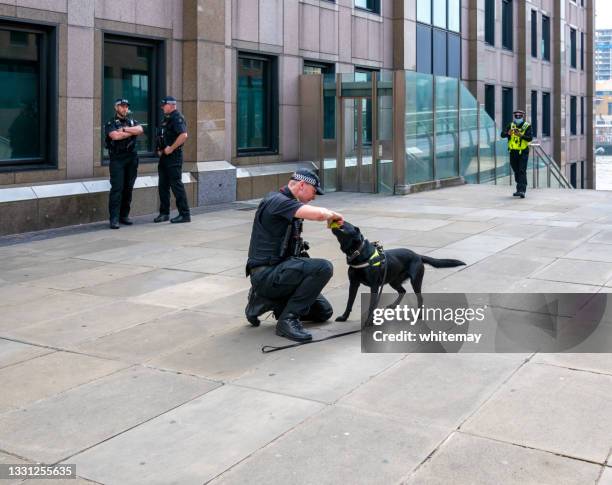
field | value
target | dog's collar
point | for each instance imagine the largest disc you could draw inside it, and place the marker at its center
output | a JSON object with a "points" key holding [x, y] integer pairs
{"points": [[374, 260], [356, 253]]}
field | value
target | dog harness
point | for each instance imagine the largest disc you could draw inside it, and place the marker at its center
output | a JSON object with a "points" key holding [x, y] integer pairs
{"points": [[374, 260]]}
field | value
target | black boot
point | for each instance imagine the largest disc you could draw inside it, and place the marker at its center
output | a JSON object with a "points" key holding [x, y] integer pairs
{"points": [[290, 327], [516, 194], [257, 305], [126, 221], [114, 224], [181, 218], [161, 218]]}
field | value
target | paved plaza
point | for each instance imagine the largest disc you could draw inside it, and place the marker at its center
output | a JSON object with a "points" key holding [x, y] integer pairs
{"points": [[127, 353]]}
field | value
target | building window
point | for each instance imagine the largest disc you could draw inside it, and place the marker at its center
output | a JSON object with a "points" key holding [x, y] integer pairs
{"points": [[329, 102], [573, 48], [534, 33], [28, 126], [423, 51], [424, 11], [454, 15], [507, 105], [573, 175], [582, 115], [439, 13], [534, 113], [489, 22], [454, 56], [439, 52], [545, 114], [573, 129], [545, 38], [257, 105], [582, 51], [507, 24], [365, 75], [609, 108], [490, 100], [132, 70], [369, 5], [582, 176]]}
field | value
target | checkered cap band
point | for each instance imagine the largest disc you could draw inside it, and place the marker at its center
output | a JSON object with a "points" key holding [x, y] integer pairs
{"points": [[305, 178]]}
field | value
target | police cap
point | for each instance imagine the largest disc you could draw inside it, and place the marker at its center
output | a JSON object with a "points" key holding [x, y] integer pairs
{"points": [[168, 100], [518, 111], [308, 176], [119, 101]]}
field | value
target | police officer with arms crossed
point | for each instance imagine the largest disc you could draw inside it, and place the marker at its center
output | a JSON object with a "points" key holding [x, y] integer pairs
{"points": [[171, 136], [120, 140], [519, 134], [283, 278]]}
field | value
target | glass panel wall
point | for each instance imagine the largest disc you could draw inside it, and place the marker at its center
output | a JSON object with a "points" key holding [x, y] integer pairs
{"points": [[384, 93], [488, 138], [419, 127], [468, 136], [447, 127]]}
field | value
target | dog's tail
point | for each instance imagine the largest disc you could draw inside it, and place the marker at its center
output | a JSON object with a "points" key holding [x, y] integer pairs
{"points": [[442, 263]]}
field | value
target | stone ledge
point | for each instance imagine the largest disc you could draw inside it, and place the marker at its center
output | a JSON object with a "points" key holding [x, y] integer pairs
{"points": [[255, 181]]}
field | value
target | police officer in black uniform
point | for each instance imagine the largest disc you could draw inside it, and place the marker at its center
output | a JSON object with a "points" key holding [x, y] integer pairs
{"points": [[283, 278], [171, 136], [519, 134], [120, 140]]}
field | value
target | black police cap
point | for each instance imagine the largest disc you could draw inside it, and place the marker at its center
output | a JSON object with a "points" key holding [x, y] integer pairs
{"points": [[119, 101], [308, 176], [168, 100]]}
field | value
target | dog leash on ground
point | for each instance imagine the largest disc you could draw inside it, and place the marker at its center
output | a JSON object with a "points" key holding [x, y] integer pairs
{"points": [[379, 261]]}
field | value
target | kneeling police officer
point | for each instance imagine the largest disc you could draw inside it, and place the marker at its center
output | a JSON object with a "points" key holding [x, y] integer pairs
{"points": [[120, 140], [283, 278]]}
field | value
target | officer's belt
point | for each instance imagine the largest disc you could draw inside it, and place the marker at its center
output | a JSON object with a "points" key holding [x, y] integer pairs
{"points": [[257, 269]]}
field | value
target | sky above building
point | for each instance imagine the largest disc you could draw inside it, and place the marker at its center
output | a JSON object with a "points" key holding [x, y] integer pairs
{"points": [[603, 12]]}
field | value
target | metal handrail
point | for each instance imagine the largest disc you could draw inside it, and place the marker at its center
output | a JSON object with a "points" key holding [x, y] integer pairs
{"points": [[551, 167]]}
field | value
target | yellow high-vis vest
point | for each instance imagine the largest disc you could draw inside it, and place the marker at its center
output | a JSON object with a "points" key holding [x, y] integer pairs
{"points": [[516, 142]]}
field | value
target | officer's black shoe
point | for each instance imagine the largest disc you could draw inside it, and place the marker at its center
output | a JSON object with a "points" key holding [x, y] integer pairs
{"points": [[114, 224], [181, 218], [162, 218], [522, 195], [126, 221], [290, 327], [257, 305], [516, 194]]}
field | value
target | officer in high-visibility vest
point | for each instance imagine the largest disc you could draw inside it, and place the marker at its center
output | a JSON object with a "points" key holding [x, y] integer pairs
{"points": [[519, 134]]}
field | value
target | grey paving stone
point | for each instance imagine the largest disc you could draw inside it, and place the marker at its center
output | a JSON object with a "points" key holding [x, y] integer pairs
{"points": [[169, 256], [510, 265], [461, 458], [48, 375], [11, 460], [324, 371], [65, 332], [339, 445], [606, 477], [75, 247], [591, 252], [542, 247], [123, 253], [590, 362], [138, 284], [434, 389], [215, 261], [143, 342], [545, 286], [406, 224], [481, 242], [55, 306], [576, 271], [470, 227], [14, 352], [233, 304], [197, 441], [17, 294], [566, 234], [433, 239], [27, 274], [468, 281], [603, 237], [60, 426], [553, 409]]}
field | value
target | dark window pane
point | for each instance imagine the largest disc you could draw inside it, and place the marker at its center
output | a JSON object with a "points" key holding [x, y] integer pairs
{"points": [[573, 48], [545, 114], [545, 38], [129, 72], [371, 5], [507, 105], [424, 11], [20, 95], [534, 33], [439, 52], [329, 95], [253, 121], [507, 24], [423, 49], [490, 22], [490, 100], [454, 56], [573, 174], [572, 115], [365, 75], [582, 50], [534, 113]]}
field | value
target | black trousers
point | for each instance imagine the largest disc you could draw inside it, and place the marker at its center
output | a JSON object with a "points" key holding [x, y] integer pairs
{"points": [[170, 170], [519, 167], [297, 283], [123, 171]]}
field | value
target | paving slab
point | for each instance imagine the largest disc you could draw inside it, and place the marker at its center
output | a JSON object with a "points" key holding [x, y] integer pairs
{"points": [[55, 306], [169, 256], [45, 269], [123, 253], [15, 352], [17, 294], [511, 265], [439, 390], [358, 446], [550, 408], [48, 375], [576, 271], [566, 234], [333, 369], [544, 286], [461, 458], [543, 247], [602, 237], [138, 284], [58, 427], [76, 247], [11, 460], [486, 243], [148, 340], [66, 332], [214, 261], [233, 304], [591, 252], [197, 441], [606, 477], [467, 281], [403, 223], [601, 363]]}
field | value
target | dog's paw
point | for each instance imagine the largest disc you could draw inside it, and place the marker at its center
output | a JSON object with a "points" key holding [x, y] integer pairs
{"points": [[341, 318]]}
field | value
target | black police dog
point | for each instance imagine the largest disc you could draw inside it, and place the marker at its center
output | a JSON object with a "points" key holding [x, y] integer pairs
{"points": [[366, 268]]}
